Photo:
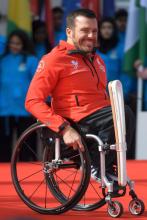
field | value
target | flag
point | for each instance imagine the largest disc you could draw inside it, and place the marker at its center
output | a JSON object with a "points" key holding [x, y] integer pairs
{"points": [[69, 6], [34, 6], [19, 15], [49, 21], [136, 35], [143, 30], [94, 5], [108, 8], [45, 14], [143, 3]]}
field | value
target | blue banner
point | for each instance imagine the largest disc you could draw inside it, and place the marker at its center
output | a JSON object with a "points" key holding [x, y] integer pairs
{"points": [[108, 8]]}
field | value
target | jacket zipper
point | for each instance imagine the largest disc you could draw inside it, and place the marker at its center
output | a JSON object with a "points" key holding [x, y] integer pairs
{"points": [[92, 70], [98, 80], [88, 66], [77, 101]]}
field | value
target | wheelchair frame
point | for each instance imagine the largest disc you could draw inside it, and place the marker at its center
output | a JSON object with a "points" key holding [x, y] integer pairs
{"points": [[115, 208]]}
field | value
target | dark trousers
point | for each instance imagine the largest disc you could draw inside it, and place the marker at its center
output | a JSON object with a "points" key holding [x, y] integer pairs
{"points": [[9, 125], [101, 123]]}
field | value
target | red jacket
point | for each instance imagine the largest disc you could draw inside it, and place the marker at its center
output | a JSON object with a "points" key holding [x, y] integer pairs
{"points": [[76, 84]]}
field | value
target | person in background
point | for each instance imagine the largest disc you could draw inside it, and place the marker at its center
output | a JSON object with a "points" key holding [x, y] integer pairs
{"points": [[142, 73], [2, 44], [2, 39], [59, 33], [17, 66], [121, 21], [109, 48], [111, 51], [41, 41], [40, 38]]}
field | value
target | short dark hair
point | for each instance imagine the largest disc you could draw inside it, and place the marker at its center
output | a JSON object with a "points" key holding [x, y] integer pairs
{"points": [[121, 13], [57, 10], [79, 12], [27, 44]]}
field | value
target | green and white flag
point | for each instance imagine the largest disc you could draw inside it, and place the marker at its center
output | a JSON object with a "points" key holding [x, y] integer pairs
{"points": [[136, 34], [143, 3]]}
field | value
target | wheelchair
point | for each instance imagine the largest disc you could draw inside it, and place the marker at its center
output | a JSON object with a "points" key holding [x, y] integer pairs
{"points": [[58, 178]]}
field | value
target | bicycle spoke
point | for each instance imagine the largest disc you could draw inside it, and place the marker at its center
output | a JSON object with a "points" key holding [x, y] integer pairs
{"points": [[74, 156], [31, 150], [72, 184], [73, 172], [36, 189], [95, 190], [84, 199], [65, 183], [29, 176], [45, 192]]}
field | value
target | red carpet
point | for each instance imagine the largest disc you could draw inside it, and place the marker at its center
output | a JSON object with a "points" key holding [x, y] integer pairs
{"points": [[11, 206]]}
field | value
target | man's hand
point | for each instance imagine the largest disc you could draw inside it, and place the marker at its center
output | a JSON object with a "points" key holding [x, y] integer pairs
{"points": [[72, 138], [137, 63], [141, 71], [142, 74]]}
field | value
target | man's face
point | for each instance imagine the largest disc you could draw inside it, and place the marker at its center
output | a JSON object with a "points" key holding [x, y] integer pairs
{"points": [[84, 33]]}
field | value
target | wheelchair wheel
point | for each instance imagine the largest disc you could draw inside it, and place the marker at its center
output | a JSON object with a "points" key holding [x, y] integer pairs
{"points": [[32, 172], [136, 207], [115, 209], [93, 197]]}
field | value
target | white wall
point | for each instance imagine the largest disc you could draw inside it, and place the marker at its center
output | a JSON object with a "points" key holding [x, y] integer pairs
{"points": [[55, 3], [122, 4]]}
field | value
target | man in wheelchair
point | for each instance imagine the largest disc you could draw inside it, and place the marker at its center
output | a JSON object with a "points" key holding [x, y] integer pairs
{"points": [[75, 78]]}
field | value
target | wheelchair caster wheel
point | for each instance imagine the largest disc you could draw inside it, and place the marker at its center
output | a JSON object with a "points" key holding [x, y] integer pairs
{"points": [[115, 209], [136, 207]]}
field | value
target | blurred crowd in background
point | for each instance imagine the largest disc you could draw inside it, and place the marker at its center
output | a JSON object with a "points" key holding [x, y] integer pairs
{"points": [[33, 29]]}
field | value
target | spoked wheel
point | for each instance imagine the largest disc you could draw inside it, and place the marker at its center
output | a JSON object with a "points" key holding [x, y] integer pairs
{"points": [[93, 197], [35, 175], [136, 207], [115, 209]]}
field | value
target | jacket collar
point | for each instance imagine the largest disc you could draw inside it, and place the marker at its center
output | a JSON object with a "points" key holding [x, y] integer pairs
{"points": [[72, 50]]}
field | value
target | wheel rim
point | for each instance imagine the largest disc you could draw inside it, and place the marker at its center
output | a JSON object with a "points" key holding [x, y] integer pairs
{"points": [[29, 177], [136, 207], [115, 209]]}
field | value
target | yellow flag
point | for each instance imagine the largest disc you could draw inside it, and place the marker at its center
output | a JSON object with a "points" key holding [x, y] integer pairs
{"points": [[19, 15]]}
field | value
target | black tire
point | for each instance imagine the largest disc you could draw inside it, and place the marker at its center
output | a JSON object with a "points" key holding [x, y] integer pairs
{"points": [[34, 177], [136, 207], [93, 197], [115, 209]]}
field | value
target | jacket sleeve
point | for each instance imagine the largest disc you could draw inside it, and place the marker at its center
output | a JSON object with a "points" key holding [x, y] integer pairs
{"points": [[42, 85]]}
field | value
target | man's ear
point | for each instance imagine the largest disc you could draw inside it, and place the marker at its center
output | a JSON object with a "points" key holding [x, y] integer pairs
{"points": [[69, 32]]}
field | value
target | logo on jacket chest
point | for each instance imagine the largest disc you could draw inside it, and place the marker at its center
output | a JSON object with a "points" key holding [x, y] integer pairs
{"points": [[75, 64], [101, 66]]}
